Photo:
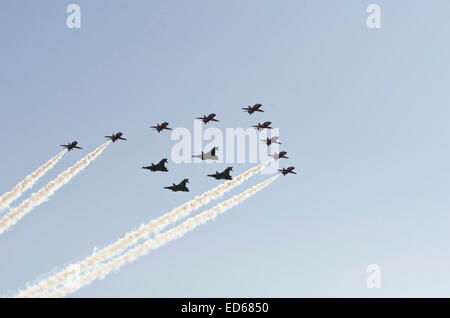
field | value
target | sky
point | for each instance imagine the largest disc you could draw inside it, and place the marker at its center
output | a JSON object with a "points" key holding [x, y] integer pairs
{"points": [[363, 114]]}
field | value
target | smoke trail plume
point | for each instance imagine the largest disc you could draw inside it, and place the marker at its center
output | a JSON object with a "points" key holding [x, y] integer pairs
{"points": [[28, 182], [159, 240], [43, 194], [134, 236]]}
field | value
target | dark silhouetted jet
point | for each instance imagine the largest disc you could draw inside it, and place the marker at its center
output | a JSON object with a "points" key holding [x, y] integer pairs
{"points": [[273, 140], [160, 166], [254, 108], [71, 145], [277, 156], [264, 125], [161, 127], [115, 137], [208, 155], [224, 175], [179, 187], [207, 119], [287, 170]]}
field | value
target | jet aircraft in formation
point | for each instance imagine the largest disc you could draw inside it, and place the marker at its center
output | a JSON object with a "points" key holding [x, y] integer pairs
{"points": [[211, 155]]}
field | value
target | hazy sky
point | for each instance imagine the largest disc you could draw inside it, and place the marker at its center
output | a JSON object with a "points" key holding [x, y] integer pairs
{"points": [[363, 114]]}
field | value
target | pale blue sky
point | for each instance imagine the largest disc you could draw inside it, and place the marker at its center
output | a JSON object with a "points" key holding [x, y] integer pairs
{"points": [[362, 113]]}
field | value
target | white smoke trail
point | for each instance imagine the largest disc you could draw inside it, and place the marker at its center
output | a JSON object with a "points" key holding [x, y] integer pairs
{"points": [[159, 240], [43, 194], [28, 182], [134, 236]]}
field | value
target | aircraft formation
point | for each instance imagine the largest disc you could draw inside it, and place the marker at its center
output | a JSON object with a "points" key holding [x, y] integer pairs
{"points": [[210, 155]]}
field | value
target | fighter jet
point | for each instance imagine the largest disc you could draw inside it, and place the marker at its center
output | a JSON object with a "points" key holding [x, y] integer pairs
{"points": [[160, 166], [161, 127], [273, 140], [224, 175], [71, 145], [264, 125], [208, 155], [277, 156], [252, 109], [208, 118], [285, 171], [179, 187], [115, 137]]}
